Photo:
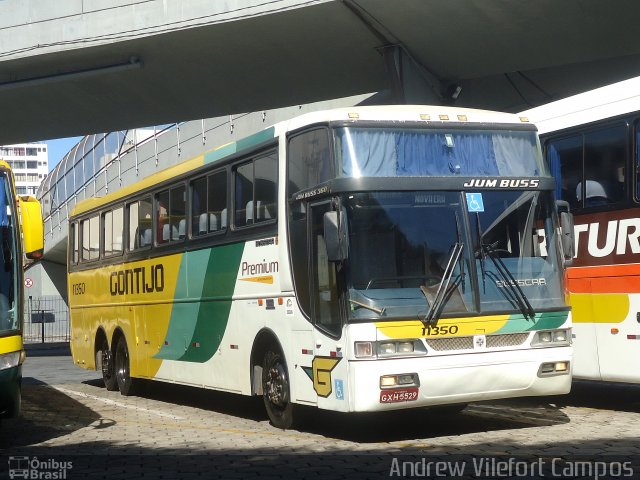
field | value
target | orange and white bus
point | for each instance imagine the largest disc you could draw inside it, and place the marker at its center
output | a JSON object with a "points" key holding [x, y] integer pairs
{"points": [[591, 142]]}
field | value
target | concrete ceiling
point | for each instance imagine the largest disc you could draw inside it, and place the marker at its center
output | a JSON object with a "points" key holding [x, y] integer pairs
{"points": [[505, 54]]}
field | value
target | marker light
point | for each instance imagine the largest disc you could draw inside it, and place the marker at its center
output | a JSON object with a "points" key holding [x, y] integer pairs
{"points": [[363, 349]]}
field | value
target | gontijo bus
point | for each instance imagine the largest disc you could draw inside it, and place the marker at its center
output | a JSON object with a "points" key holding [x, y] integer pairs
{"points": [[365, 259], [16, 236], [591, 142]]}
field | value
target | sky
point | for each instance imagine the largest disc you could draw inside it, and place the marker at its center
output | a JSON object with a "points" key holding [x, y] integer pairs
{"points": [[58, 148]]}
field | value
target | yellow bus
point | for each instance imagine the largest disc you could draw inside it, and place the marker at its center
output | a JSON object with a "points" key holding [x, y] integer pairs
{"points": [[21, 230], [363, 259]]}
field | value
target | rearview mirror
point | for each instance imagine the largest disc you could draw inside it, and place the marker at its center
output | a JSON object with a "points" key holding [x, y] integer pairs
{"points": [[335, 237], [32, 226], [566, 231]]}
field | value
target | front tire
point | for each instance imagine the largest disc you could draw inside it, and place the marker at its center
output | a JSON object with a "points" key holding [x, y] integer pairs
{"points": [[276, 390], [104, 363], [122, 368]]}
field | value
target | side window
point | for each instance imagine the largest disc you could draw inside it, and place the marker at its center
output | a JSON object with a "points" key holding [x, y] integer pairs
{"points": [[170, 214], [244, 195], [217, 198], [199, 216], [118, 229], [326, 302], [107, 220], [90, 238], [309, 159], [140, 226], [255, 190], [604, 167], [75, 252], [565, 162], [209, 204], [113, 226], [590, 168]]}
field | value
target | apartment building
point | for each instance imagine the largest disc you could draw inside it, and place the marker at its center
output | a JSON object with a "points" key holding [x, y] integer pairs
{"points": [[30, 163]]}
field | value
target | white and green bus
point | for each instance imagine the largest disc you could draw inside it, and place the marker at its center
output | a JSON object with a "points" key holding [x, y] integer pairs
{"points": [[362, 259]]}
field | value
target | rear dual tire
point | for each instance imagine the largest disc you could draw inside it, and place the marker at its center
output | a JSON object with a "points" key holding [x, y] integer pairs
{"points": [[115, 367]]}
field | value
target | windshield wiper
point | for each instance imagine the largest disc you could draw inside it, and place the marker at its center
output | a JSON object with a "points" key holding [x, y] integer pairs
{"points": [[516, 295], [379, 311], [445, 289], [521, 300]]}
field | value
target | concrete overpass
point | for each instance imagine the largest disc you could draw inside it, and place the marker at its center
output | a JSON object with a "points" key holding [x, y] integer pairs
{"points": [[89, 66]]}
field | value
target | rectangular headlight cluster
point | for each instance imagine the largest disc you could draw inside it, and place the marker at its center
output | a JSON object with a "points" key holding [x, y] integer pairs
{"points": [[552, 338], [389, 348], [9, 360]]}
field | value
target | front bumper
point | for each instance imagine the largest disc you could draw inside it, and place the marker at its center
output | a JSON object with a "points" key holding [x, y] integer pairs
{"points": [[461, 378]]}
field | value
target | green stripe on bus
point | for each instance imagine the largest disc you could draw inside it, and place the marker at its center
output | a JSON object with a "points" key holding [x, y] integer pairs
{"points": [[240, 145], [542, 321], [182, 324], [196, 328], [213, 317]]}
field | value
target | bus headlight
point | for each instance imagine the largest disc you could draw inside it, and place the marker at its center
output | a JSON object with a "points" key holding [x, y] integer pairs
{"points": [[10, 360], [389, 348], [405, 347], [552, 338]]}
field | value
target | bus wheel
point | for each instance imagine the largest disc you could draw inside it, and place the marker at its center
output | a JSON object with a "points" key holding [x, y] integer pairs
{"points": [[275, 387], [123, 372], [104, 363]]}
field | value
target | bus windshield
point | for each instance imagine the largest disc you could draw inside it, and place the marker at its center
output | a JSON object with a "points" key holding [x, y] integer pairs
{"points": [[400, 244], [392, 152], [9, 321]]}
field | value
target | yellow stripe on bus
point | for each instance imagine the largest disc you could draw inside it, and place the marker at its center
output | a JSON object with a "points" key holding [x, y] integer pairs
{"points": [[10, 344], [599, 307], [462, 327]]}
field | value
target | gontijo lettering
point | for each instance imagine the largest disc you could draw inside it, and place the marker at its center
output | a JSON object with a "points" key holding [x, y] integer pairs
{"points": [[137, 280]]}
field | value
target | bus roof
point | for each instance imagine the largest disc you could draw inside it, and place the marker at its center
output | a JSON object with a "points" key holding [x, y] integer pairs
{"points": [[434, 115], [403, 113], [605, 102]]}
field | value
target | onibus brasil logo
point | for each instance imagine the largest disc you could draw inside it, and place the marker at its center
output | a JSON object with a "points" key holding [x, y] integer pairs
{"points": [[33, 468]]}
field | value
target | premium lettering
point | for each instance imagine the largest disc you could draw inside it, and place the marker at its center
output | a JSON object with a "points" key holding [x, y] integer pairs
{"points": [[133, 281], [259, 268]]}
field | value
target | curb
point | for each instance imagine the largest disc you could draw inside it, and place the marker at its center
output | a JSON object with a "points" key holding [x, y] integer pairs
{"points": [[47, 349]]}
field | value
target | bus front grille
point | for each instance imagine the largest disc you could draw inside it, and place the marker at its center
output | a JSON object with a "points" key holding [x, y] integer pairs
{"points": [[453, 343], [506, 340]]}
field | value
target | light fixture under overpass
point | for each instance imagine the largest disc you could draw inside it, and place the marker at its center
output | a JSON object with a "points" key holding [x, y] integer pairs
{"points": [[134, 63]]}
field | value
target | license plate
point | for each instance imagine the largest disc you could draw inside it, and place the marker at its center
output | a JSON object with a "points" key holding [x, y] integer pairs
{"points": [[399, 395]]}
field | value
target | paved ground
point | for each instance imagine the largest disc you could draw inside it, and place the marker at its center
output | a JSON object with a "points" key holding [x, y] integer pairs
{"points": [[171, 431]]}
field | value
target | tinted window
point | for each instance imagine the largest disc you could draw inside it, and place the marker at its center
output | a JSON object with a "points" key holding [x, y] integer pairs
{"points": [[170, 210], [590, 168], [309, 160], [255, 190]]}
